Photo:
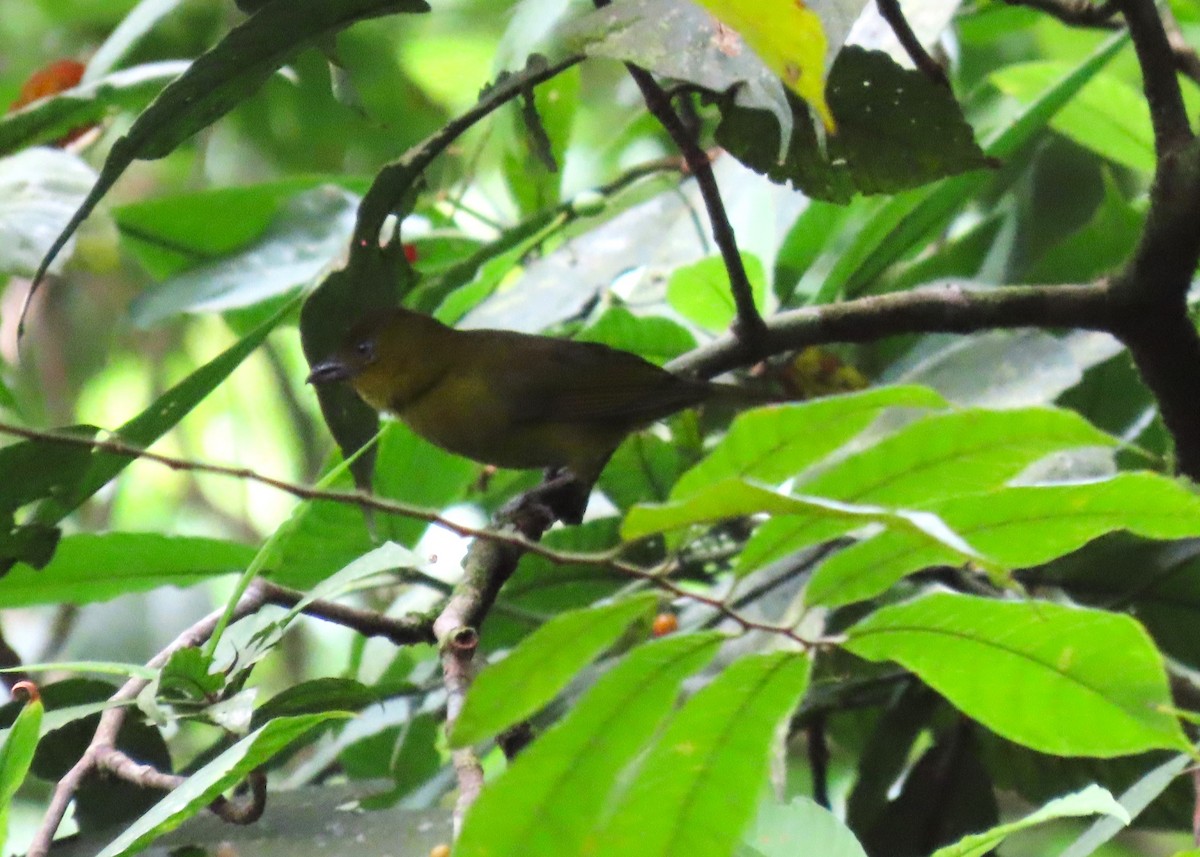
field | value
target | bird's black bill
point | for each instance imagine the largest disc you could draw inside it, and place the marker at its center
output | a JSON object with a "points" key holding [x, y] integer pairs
{"points": [[327, 372]]}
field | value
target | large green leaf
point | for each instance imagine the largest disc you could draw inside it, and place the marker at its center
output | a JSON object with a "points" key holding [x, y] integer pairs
{"points": [[174, 232], [774, 444], [553, 795], [91, 567], [541, 666], [948, 455], [1017, 528], [1107, 116], [700, 783], [731, 498], [940, 456], [1091, 683], [307, 235], [897, 129], [700, 292]]}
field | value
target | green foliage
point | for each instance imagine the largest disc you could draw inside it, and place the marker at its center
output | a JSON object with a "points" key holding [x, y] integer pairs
{"points": [[1092, 683], [956, 565], [540, 667]]}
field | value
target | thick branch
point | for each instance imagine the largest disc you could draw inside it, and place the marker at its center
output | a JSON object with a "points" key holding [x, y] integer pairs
{"points": [[939, 309]]}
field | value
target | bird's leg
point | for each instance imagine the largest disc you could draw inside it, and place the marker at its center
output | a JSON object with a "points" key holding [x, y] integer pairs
{"points": [[561, 496]]}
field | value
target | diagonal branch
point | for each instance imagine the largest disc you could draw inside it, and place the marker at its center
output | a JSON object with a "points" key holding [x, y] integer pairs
{"points": [[891, 12], [749, 326]]}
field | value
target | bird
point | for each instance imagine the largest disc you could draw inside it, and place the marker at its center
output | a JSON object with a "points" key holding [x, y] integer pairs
{"points": [[509, 399]]}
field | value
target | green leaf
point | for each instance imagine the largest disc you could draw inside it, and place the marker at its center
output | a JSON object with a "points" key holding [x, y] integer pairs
{"points": [[1091, 683], [90, 567], [223, 77], [948, 455], [732, 498], [16, 755], [169, 234], [315, 696], [1097, 247], [1133, 801], [774, 444], [39, 189], [223, 772], [412, 470], [906, 220], [50, 118], [536, 141], [542, 665], [802, 826], [128, 34], [1017, 528], [310, 232], [1093, 800], [897, 129], [643, 467], [1108, 116], [699, 785], [653, 337], [524, 811], [700, 292], [101, 667], [164, 413]]}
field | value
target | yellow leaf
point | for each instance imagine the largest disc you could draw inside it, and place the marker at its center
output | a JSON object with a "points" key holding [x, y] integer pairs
{"points": [[788, 38]]}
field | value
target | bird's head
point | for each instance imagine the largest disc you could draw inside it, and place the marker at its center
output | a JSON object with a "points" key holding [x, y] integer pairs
{"points": [[357, 353]]}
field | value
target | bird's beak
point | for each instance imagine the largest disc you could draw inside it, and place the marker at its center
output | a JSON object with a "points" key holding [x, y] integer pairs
{"points": [[328, 371]]}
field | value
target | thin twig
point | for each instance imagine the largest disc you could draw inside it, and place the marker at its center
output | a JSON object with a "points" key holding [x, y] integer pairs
{"points": [[1186, 59], [749, 326], [403, 631], [890, 11]]}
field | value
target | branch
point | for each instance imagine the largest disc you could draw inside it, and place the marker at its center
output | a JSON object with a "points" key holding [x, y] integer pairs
{"points": [[394, 181], [1186, 60], [102, 753], [104, 740], [403, 631], [890, 11], [947, 308]]}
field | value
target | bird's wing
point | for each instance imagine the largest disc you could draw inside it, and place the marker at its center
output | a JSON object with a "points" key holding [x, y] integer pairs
{"points": [[595, 383]]}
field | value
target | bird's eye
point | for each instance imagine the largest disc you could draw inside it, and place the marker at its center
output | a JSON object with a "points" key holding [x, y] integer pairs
{"points": [[365, 350]]}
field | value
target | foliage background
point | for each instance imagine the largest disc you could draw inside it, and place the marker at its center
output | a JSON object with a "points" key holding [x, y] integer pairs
{"points": [[272, 183]]}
